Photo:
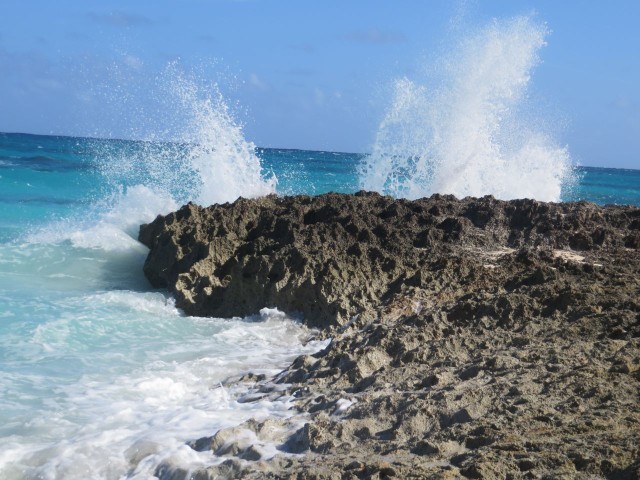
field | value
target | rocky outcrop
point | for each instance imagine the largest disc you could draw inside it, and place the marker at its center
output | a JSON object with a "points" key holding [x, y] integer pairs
{"points": [[471, 338], [333, 257]]}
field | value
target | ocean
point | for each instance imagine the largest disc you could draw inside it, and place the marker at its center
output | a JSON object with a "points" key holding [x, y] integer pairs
{"points": [[100, 375]]}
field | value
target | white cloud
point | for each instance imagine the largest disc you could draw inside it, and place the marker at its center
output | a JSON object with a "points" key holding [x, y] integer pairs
{"points": [[257, 83], [133, 62]]}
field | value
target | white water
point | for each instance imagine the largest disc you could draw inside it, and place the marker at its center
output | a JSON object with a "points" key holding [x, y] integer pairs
{"points": [[471, 134], [206, 161], [102, 377], [112, 384], [217, 140]]}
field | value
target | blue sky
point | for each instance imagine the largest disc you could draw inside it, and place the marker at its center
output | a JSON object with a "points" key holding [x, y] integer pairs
{"points": [[306, 74]]}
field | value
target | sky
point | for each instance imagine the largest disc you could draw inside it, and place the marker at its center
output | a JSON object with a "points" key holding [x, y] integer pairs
{"points": [[304, 74]]}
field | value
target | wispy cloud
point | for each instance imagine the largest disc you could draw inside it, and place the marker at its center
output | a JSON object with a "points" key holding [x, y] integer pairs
{"points": [[625, 103], [375, 36], [120, 19], [256, 83], [304, 47], [207, 38]]}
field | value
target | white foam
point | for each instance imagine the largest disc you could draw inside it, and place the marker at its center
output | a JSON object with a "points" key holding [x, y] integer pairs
{"points": [[124, 416], [470, 135], [139, 204], [139, 302], [226, 162], [112, 224], [342, 405]]}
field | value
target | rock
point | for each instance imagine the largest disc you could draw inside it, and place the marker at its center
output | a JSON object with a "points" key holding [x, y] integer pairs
{"points": [[471, 338], [335, 257]]}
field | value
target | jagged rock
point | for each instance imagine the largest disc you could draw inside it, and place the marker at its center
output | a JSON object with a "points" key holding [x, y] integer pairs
{"points": [[471, 338], [335, 256]]}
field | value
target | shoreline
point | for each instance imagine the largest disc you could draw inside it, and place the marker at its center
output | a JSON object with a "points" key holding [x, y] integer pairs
{"points": [[470, 338]]}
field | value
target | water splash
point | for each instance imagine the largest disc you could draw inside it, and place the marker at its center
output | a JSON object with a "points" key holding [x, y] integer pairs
{"points": [[469, 136], [225, 162], [191, 149]]}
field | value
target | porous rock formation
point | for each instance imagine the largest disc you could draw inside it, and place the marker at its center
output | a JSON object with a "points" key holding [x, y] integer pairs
{"points": [[333, 257], [471, 338]]}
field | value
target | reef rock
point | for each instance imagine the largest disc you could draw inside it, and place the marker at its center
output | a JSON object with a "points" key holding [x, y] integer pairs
{"points": [[471, 338], [334, 257]]}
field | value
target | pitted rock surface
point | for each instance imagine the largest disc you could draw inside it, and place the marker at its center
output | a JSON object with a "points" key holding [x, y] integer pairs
{"points": [[334, 257], [492, 339]]}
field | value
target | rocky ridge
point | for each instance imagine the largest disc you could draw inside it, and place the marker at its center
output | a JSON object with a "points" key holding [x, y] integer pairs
{"points": [[471, 338]]}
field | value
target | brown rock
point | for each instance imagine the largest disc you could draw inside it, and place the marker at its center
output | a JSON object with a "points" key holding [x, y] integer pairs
{"points": [[470, 338]]}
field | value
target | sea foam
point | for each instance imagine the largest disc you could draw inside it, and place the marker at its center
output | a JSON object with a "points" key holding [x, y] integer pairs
{"points": [[469, 134], [205, 159]]}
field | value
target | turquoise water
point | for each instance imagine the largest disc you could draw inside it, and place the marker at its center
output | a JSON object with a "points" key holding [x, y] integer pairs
{"points": [[100, 376], [608, 186], [46, 178]]}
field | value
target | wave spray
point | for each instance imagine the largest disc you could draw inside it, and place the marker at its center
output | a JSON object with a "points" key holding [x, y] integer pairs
{"points": [[189, 147], [192, 148], [469, 136], [226, 163]]}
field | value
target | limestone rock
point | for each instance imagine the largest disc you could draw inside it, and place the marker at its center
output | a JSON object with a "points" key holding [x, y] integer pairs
{"points": [[334, 257], [471, 338]]}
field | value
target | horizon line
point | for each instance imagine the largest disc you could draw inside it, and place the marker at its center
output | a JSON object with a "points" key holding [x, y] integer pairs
{"points": [[290, 149]]}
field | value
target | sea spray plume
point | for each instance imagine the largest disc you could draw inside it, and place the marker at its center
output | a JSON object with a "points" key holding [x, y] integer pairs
{"points": [[226, 163], [189, 148], [469, 135], [193, 148]]}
